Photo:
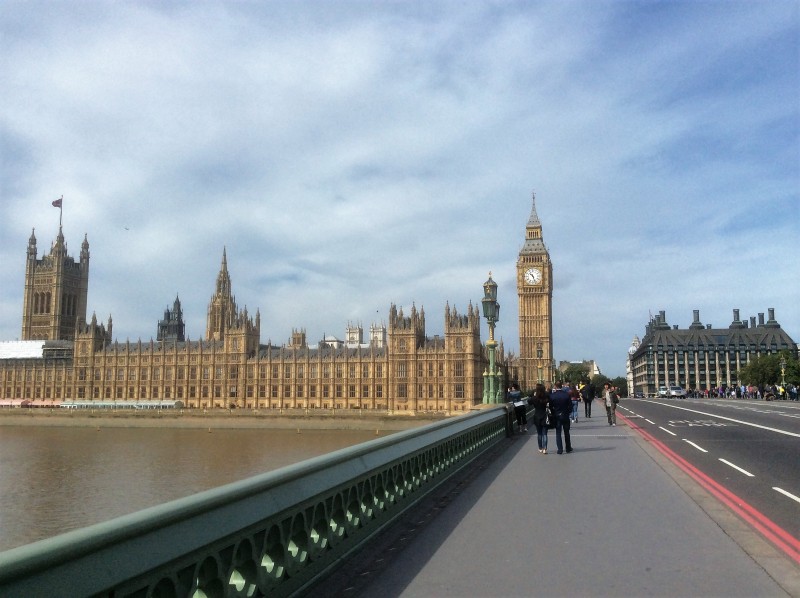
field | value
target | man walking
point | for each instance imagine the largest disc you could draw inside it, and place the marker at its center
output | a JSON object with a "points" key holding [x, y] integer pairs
{"points": [[561, 406], [610, 399], [588, 394]]}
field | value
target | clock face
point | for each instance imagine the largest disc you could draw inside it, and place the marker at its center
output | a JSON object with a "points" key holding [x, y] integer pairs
{"points": [[533, 276]]}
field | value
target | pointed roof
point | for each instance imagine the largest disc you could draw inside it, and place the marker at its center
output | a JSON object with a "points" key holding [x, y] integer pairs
{"points": [[223, 278], [533, 221], [533, 241]]}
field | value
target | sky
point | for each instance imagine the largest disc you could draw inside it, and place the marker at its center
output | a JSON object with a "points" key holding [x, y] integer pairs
{"points": [[348, 156]]}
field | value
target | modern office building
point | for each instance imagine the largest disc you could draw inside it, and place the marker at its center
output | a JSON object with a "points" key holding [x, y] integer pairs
{"points": [[702, 357]]}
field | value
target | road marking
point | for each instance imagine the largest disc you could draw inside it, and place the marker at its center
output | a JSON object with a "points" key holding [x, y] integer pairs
{"points": [[649, 422], [699, 448], [789, 494], [736, 467], [667, 431], [744, 423]]}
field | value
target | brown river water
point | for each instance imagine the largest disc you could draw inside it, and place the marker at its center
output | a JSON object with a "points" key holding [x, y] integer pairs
{"points": [[56, 479]]}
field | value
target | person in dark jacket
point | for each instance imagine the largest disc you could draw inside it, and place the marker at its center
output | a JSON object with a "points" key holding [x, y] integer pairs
{"points": [[561, 406], [520, 407], [540, 401], [588, 395]]}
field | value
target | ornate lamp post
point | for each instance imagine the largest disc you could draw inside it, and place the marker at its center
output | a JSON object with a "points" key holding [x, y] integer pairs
{"points": [[783, 371], [491, 311]]}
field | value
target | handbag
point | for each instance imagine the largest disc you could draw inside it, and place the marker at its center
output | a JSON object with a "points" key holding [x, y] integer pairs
{"points": [[549, 418]]}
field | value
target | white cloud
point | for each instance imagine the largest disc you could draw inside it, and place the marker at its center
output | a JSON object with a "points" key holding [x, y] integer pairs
{"points": [[352, 155]]}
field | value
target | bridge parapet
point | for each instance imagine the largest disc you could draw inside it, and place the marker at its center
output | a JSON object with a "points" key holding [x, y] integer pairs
{"points": [[270, 535]]}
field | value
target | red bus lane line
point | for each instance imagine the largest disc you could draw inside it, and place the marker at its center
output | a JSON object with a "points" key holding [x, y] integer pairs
{"points": [[769, 529]]}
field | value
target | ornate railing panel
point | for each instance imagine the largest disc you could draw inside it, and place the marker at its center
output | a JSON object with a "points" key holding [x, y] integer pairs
{"points": [[270, 535]]}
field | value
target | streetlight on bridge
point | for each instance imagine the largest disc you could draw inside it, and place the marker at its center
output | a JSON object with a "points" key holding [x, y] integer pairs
{"points": [[491, 311], [783, 371]]}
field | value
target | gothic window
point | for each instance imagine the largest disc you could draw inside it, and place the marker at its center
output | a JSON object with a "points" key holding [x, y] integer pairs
{"points": [[365, 391], [401, 370], [378, 370], [459, 343], [458, 369], [351, 370], [287, 371], [365, 371], [274, 371], [401, 345], [300, 371], [459, 391], [402, 391], [339, 370]]}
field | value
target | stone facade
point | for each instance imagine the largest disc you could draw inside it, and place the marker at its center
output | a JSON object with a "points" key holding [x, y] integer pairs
{"points": [[399, 369], [56, 288], [535, 293], [702, 357]]}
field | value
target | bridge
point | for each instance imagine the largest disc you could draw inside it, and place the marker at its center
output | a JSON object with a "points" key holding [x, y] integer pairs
{"points": [[464, 507]]}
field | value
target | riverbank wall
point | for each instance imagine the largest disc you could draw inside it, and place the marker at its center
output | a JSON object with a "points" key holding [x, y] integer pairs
{"points": [[317, 419]]}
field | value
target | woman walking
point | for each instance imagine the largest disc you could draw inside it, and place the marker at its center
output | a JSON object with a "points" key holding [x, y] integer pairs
{"points": [[540, 401]]}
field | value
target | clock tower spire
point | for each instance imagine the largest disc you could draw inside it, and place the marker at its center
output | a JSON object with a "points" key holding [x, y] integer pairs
{"points": [[535, 292]]}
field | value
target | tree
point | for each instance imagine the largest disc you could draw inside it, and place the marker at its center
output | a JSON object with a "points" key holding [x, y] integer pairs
{"points": [[599, 381], [622, 385], [574, 373], [766, 369]]}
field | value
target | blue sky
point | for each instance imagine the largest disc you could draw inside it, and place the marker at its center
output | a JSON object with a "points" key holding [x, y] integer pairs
{"points": [[351, 155]]}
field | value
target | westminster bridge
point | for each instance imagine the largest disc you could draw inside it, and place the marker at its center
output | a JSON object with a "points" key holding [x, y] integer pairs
{"points": [[463, 507]]}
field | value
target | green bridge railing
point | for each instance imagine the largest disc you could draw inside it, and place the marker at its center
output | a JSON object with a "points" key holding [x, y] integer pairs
{"points": [[274, 534]]}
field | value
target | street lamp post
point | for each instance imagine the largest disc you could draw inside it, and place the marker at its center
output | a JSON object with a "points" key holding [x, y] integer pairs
{"points": [[491, 311], [783, 371]]}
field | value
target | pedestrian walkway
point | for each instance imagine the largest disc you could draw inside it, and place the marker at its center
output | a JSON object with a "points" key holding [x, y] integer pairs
{"points": [[610, 519]]}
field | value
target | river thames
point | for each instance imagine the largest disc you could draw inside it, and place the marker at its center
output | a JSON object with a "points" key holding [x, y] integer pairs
{"points": [[56, 479]]}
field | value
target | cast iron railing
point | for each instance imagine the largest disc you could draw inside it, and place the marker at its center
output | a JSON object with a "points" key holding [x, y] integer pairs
{"points": [[270, 535]]}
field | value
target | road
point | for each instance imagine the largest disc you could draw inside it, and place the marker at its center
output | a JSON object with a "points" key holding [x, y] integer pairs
{"points": [[751, 449]]}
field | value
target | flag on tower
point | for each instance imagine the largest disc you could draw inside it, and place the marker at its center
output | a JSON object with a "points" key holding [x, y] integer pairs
{"points": [[57, 202]]}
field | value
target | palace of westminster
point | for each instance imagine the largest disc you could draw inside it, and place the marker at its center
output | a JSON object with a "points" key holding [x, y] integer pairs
{"points": [[63, 358]]}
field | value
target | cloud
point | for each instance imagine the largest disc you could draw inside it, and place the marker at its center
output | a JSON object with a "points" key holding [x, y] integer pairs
{"points": [[354, 155]]}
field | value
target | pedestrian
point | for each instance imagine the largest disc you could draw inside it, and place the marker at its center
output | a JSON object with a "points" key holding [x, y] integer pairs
{"points": [[561, 406], [587, 394], [575, 397], [540, 402], [520, 407], [611, 399]]}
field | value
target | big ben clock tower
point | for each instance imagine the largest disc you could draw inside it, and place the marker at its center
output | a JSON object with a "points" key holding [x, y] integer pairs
{"points": [[535, 291]]}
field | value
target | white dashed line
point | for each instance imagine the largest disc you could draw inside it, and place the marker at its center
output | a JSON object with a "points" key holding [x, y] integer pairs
{"points": [[737, 468], [789, 494], [649, 422], [667, 431], [699, 448]]}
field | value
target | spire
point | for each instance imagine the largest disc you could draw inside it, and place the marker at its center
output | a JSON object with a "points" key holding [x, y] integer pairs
{"points": [[534, 218], [223, 278]]}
